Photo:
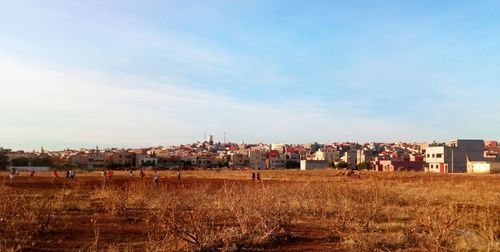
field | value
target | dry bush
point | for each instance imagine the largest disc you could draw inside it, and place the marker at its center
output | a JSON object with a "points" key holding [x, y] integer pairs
{"points": [[123, 201], [207, 219], [25, 219], [262, 215]]}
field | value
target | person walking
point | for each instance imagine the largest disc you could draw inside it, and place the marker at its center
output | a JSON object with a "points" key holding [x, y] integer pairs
{"points": [[32, 173], [72, 174], [110, 174], [143, 174], [156, 177], [55, 175], [12, 175], [253, 176], [178, 175], [258, 176]]}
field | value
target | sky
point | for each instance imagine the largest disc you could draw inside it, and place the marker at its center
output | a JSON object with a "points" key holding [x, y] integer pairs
{"points": [[149, 73]]}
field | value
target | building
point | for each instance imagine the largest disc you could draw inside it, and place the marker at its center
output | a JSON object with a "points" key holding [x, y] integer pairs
{"points": [[482, 166], [145, 160], [279, 147], [257, 158], [88, 160], [328, 155], [313, 164], [275, 160], [397, 165], [239, 160], [363, 156], [350, 158], [124, 158], [452, 158]]}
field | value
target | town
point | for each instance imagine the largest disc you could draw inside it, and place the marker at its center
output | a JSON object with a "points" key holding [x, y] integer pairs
{"points": [[458, 156]]}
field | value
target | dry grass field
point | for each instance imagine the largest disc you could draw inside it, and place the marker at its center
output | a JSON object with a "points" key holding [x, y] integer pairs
{"points": [[227, 211]]}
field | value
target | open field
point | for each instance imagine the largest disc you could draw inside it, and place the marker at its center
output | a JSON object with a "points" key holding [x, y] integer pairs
{"points": [[226, 210]]}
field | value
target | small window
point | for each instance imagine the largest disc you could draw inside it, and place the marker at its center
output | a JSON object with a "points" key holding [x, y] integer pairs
{"points": [[433, 155], [439, 155], [428, 155]]}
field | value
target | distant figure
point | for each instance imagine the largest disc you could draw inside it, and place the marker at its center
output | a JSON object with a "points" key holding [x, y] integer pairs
{"points": [[178, 175], [253, 176], [72, 174], [142, 174], [55, 175], [130, 172], [32, 173], [156, 177], [110, 174], [12, 175], [258, 176], [103, 174], [67, 174]]}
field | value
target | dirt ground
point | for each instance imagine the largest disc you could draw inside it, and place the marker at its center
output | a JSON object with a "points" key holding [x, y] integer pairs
{"points": [[75, 230]]}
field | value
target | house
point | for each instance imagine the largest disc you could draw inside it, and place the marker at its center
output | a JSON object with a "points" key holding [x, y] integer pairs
{"points": [[275, 160], [257, 158], [452, 158], [123, 157], [145, 160], [350, 158], [483, 166], [313, 164], [397, 165], [239, 160], [328, 155]]}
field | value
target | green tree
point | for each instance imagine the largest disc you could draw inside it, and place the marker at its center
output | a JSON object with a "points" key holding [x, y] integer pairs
{"points": [[20, 161], [42, 160], [292, 164], [113, 165], [4, 159], [363, 166], [342, 164]]}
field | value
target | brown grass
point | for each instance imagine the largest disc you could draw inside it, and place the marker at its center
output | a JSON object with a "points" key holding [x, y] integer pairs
{"points": [[226, 211]]}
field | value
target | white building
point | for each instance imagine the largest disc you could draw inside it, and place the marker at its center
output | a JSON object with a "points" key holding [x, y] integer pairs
{"points": [[452, 158], [313, 164], [327, 155]]}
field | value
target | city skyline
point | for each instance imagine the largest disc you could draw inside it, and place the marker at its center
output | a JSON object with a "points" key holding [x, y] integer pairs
{"points": [[128, 74]]}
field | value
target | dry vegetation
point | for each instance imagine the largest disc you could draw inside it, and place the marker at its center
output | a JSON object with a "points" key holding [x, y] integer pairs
{"points": [[226, 211]]}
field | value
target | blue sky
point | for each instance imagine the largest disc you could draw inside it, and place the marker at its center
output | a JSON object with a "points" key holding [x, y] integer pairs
{"points": [[130, 73]]}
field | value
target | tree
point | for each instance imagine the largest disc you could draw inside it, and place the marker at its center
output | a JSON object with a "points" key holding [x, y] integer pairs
{"points": [[363, 166], [43, 160], [332, 164], [292, 164], [113, 165], [4, 159], [342, 164], [20, 161]]}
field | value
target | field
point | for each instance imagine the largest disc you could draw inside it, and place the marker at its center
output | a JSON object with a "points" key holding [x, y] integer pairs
{"points": [[227, 211]]}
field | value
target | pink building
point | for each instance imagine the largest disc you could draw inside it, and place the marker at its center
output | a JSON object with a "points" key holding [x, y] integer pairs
{"points": [[397, 165]]}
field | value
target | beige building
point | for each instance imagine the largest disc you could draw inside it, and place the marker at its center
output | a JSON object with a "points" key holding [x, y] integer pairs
{"points": [[313, 164], [239, 160], [452, 158], [327, 155], [257, 158], [123, 157], [482, 166]]}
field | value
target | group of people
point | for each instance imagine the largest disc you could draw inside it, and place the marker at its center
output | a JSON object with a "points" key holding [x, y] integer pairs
{"points": [[70, 174], [106, 174], [255, 176], [14, 173]]}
